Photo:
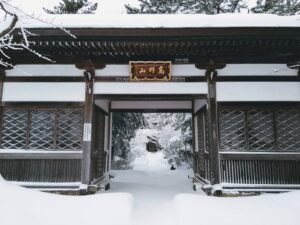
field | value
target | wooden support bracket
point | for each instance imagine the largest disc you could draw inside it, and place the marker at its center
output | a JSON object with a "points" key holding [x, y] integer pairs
{"points": [[89, 65], [295, 66], [210, 66]]}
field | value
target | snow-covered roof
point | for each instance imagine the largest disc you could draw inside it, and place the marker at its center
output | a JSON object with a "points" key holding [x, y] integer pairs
{"points": [[166, 21]]}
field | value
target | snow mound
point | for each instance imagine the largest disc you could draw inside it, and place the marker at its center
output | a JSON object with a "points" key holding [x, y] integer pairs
{"points": [[24, 206], [151, 162], [268, 209]]}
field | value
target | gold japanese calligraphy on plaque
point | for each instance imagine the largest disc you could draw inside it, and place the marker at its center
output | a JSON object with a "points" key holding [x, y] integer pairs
{"points": [[150, 70]]}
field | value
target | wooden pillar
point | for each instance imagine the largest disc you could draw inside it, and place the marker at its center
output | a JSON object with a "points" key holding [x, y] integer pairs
{"points": [[89, 74], [212, 115], [2, 76], [86, 176]]}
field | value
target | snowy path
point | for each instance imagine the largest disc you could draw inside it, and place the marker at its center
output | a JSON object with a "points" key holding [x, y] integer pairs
{"points": [[153, 193]]}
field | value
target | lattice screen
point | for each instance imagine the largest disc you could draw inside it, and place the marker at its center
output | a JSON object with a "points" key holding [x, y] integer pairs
{"points": [[232, 130], [41, 132], [42, 129], [14, 132], [259, 130], [288, 130], [69, 129]]}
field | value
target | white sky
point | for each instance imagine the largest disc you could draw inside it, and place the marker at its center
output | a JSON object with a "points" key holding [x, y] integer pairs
{"points": [[104, 6]]}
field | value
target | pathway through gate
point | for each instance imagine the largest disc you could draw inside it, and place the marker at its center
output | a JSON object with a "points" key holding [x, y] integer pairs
{"points": [[153, 192]]}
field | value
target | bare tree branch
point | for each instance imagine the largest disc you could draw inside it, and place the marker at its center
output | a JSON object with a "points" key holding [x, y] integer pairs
{"points": [[12, 23]]}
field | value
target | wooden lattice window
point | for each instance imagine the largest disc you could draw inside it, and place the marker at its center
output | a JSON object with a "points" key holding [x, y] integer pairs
{"points": [[42, 129], [259, 129]]}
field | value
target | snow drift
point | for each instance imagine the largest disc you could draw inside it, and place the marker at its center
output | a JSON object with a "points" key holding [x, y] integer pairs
{"points": [[268, 209], [21, 206]]}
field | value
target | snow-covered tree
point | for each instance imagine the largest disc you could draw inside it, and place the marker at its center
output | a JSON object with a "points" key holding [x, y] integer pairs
{"points": [[279, 7], [123, 130], [179, 150], [12, 17], [73, 7], [186, 6]]}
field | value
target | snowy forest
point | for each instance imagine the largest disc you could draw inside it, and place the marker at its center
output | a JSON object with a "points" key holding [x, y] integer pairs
{"points": [[171, 133]]}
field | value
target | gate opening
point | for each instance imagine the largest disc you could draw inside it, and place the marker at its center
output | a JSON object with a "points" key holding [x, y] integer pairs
{"points": [[151, 141]]}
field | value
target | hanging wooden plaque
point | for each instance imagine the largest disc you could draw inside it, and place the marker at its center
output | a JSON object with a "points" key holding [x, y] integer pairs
{"points": [[150, 70]]}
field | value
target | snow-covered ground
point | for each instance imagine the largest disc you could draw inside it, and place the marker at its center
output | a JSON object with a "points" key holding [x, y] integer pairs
{"points": [[268, 209], [21, 206], [152, 193], [139, 197]]}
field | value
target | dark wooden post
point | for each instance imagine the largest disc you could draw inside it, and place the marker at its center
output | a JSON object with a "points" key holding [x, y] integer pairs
{"points": [[89, 75], [2, 76], [86, 176], [212, 116]]}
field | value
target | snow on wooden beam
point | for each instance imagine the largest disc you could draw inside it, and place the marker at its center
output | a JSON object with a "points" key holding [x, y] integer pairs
{"points": [[258, 91], [42, 91], [257, 70], [56, 70], [181, 70], [150, 88]]}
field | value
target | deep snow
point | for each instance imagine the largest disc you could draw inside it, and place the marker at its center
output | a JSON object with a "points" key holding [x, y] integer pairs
{"points": [[145, 197], [21, 206], [152, 192]]}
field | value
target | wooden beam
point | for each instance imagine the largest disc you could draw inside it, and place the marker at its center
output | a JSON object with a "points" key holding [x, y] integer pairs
{"points": [[86, 175], [46, 105], [112, 78], [258, 78], [41, 155], [43, 79], [259, 156]]}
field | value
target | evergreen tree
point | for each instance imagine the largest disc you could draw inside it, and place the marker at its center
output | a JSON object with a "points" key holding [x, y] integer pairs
{"points": [[73, 7], [186, 6], [279, 7]]}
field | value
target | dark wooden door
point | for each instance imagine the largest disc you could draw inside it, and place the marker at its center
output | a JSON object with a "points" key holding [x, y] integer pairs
{"points": [[100, 143], [201, 147]]}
